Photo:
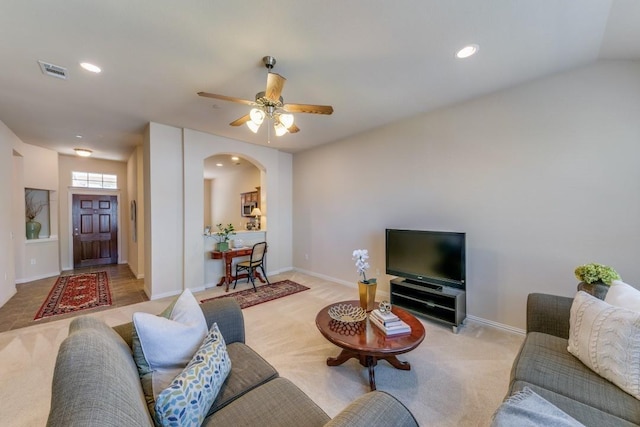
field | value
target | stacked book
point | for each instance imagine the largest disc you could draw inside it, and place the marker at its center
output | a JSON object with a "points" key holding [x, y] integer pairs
{"points": [[389, 323]]}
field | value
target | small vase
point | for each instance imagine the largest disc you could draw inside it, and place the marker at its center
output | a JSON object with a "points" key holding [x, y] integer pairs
{"points": [[223, 246], [597, 289], [33, 229], [367, 293]]}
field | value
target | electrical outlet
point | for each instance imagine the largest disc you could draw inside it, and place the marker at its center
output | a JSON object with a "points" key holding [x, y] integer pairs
{"points": [[33, 261], [306, 256], [377, 271]]}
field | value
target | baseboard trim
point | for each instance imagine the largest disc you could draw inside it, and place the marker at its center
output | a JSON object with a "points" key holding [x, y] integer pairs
{"points": [[496, 325], [13, 292], [38, 277], [353, 285], [486, 322]]}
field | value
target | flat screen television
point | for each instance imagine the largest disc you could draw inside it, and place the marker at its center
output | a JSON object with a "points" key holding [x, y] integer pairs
{"points": [[429, 258]]}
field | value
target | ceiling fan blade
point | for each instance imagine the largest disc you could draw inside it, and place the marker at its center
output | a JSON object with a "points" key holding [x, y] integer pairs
{"points": [[293, 128], [308, 108], [226, 98], [242, 120], [275, 83]]}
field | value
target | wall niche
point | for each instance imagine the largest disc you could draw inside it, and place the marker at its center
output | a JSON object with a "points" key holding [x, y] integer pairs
{"points": [[37, 213]]}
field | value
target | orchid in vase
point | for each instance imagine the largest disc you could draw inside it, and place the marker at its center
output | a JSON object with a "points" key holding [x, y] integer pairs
{"points": [[361, 256], [366, 287]]}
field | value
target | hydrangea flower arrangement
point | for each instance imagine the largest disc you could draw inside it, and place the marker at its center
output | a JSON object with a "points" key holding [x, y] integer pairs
{"points": [[591, 273], [361, 256]]}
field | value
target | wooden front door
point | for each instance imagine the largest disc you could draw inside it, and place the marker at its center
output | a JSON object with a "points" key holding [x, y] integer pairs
{"points": [[95, 230]]}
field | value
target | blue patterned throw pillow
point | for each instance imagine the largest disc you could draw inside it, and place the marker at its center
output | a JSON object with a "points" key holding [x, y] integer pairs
{"points": [[188, 399]]}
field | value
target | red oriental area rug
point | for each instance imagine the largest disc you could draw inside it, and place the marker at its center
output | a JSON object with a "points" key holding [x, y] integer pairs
{"points": [[75, 293], [264, 293]]}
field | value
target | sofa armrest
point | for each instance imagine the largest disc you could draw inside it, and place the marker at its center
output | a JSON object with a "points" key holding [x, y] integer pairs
{"points": [[225, 311], [376, 408], [227, 314], [549, 314]]}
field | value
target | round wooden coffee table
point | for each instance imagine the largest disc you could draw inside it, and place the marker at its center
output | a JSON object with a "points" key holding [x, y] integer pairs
{"points": [[368, 343]]}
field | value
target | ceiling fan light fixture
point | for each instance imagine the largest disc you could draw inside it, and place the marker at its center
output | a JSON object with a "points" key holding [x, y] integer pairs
{"points": [[286, 119], [280, 129], [257, 116], [254, 127]]}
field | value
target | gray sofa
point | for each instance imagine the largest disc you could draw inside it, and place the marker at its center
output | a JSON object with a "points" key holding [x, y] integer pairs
{"points": [[545, 366], [96, 383]]}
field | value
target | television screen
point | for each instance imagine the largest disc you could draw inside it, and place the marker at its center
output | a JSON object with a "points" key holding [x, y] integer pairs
{"points": [[430, 257]]}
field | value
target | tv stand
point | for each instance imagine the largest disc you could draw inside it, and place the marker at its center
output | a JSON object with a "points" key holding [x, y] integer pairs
{"points": [[446, 305], [427, 285]]}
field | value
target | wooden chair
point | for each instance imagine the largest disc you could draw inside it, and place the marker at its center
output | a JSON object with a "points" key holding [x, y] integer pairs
{"points": [[255, 260]]}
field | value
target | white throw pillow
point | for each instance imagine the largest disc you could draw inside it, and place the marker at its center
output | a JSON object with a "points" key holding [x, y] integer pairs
{"points": [[623, 295], [170, 343], [606, 338]]}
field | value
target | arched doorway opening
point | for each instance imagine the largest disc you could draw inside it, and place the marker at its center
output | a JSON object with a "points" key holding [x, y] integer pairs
{"points": [[233, 188]]}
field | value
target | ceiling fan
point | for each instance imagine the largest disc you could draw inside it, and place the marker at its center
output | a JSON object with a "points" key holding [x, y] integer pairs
{"points": [[270, 105]]}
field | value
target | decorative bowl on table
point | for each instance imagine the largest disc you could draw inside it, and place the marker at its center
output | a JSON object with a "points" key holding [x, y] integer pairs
{"points": [[347, 313]]}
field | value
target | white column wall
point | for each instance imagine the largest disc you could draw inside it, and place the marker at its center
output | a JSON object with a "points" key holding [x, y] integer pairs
{"points": [[163, 215], [275, 190]]}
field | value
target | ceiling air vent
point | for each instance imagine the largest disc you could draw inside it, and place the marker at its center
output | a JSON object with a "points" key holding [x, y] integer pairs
{"points": [[53, 70]]}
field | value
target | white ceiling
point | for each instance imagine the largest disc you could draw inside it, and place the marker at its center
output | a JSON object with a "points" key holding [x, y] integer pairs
{"points": [[374, 61]]}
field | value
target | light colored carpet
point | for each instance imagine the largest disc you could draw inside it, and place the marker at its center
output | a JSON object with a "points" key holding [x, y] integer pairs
{"points": [[455, 379]]}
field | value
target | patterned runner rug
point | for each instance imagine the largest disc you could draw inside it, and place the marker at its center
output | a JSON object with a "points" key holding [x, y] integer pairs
{"points": [[76, 292], [265, 293]]}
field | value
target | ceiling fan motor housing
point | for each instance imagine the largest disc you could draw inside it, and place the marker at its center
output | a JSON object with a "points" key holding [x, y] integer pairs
{"points": [[269, 61]]}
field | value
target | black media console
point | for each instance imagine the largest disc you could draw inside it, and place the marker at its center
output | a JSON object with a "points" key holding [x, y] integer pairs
{"points": [[441, 303]]}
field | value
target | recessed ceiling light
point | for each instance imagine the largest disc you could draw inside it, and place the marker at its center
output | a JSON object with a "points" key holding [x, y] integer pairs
{"points": [[219, 165], [90, 67], [467, 51], [235, 158], [82, 152], [79, 136]]}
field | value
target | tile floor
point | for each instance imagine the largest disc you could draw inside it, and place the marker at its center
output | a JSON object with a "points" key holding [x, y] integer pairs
{"points": [[20, 310]]}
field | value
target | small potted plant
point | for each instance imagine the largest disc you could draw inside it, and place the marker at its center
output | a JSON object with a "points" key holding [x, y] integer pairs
{"points": [[366, 287], [595, 278], [223, 235]]}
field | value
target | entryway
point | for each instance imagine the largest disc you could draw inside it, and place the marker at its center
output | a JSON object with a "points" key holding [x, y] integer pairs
{"points": [[95, 230]]}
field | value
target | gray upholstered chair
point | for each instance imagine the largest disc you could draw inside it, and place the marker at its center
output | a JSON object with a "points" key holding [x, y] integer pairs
{"points": [[256, 260]]}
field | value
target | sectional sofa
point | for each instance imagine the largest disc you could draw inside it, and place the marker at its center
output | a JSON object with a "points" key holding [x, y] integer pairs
{"points": [[545, 366], [96, 383]]}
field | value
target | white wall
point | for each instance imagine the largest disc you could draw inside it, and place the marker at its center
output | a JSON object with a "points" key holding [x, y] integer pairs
{"points": [[542, 178], [33, 167], [163, 214], [7, 269]]}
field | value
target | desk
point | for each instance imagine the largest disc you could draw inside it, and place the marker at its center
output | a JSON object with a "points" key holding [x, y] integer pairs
{"points": [[228, 257]]}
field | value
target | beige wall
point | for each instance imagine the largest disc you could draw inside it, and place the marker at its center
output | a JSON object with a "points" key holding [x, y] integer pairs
{"points": [[135, 192], [74, 163], [225, 199], [542, 178]]}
